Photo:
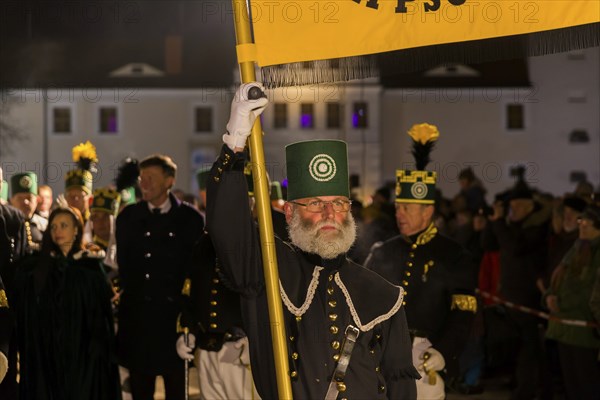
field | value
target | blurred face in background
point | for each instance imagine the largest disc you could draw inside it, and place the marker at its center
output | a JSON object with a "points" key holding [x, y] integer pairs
{"points": [[587, 230], [78, 198], [25, 202], [520, 208], [101, 224], [570, 219], [44, 199]]}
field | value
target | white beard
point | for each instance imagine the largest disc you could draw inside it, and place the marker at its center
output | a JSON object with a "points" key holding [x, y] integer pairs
{"points": [[328, 245]]}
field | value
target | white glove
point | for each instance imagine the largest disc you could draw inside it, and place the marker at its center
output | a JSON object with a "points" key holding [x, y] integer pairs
{"points": [[243, 114], [3, 366], [186, 352], [433, 360], [244, 348]]}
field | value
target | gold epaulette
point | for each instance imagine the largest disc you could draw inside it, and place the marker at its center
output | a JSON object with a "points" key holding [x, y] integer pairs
{"points": [[464, 302], [3, 299]]}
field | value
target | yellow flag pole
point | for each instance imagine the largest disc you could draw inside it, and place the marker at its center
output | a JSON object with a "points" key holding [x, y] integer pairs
{"points": [[261, 193]]}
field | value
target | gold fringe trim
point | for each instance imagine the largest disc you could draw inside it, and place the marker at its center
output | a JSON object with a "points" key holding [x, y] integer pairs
{"points": [[464, 302]]}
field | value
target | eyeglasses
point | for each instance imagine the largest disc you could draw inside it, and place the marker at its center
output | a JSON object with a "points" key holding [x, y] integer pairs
{"points": [[317, 206]]}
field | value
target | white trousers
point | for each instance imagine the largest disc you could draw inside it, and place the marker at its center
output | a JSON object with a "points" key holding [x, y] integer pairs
{"points": [[226, 375]]}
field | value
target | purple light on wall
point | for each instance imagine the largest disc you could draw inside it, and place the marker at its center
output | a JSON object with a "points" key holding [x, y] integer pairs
{"points": [[112, 124], [306, 121], [355, 120]]}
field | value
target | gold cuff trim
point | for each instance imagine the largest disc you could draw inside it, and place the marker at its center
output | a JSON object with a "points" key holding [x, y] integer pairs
{"points": [[464, 302], [187, 287], [3, 299]]}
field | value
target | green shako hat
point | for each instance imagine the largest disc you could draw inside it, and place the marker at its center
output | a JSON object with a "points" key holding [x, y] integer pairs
{"points": [[24, 183], [276, 192], [202, 177], [84, 154], [418, 186], [107, 200], [127, 180], [4, 190], [317, 168]]}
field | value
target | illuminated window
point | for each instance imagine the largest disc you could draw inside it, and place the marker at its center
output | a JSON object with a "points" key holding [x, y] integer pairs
{"points": [[359, 115], [307, 116], [108, 120]]}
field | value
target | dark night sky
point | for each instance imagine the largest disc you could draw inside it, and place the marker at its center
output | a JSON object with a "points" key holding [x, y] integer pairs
{"points": [[78, 43]]}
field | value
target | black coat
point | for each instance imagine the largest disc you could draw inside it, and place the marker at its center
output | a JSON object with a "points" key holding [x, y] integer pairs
{"points": [[154, 253], [13, 242], [65, 330], [6, 321], [432, 295], [320, 299]]}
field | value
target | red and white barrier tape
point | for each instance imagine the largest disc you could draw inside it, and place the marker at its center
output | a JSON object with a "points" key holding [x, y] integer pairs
{"points": [[537, 313]]}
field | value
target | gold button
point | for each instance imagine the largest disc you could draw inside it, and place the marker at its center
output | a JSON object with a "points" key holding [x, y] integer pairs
{"points": [[332, 303], [217, 269], [378, 336], [213, 314], [330, 290], [333, 329], [330, 278], [430, 263], [403, 303], [295, 356], [215, 280], [341, 386], [336, 357], [213, 291], [294, 374], [372, 351], [407, 273], [217, 179], [292, 338], [411, 254], [333, 316], [213, 326], [381, 389], [410, 264], [299, 318], [213, 303], [405, 283], [414, 246], [377, 369], [335, 345]]}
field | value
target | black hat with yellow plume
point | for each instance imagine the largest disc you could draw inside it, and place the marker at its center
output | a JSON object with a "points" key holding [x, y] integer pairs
{"points": [[418, 186], [84, 154]]}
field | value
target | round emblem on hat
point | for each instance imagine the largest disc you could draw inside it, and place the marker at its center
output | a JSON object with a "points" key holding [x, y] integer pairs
{"points": [[26, 182], [419, 190], [322, 168]]}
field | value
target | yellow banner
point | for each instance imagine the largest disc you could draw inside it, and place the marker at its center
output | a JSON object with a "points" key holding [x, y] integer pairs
{"points": [[307, 30]]}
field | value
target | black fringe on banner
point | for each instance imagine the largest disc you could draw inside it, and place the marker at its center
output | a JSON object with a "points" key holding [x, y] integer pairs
{"points": [[421, 58]]}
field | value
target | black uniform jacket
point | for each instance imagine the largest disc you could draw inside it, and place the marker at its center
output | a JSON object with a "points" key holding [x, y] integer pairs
{"points": [[439, 278], [154, 256], [6, 320], [320, 299], [13, 242], [65, 330], [214, 307]]}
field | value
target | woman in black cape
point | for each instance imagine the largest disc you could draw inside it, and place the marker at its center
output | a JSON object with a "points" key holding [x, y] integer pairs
{"points": [[64, 318]]}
